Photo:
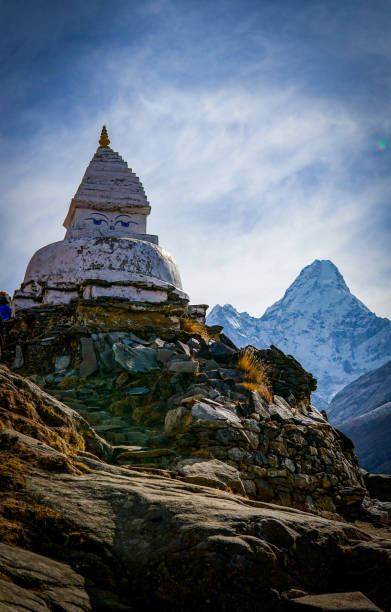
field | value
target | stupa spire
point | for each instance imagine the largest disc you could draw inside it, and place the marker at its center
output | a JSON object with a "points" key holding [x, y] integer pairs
{"points": [[104, 138]]}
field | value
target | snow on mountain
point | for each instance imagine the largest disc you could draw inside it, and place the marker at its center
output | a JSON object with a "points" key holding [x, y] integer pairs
{"points": [[330, 331]]}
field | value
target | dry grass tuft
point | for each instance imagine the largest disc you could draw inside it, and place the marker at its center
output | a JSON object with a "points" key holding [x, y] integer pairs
{"points": [[29, 523], [63, 439], [12, 473], [25, 519], [194, 327], [57, 463], [254, 373]]}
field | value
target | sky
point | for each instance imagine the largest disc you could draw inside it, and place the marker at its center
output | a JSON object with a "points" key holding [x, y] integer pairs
{"points": [[261, 130]]}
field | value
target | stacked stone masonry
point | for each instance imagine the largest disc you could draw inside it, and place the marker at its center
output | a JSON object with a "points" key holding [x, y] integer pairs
{"points": [[172, 400]]}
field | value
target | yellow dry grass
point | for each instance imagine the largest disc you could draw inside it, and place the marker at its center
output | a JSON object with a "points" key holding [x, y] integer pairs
{"points": [[194, 327], [25, 520], [23, 517], [37, 418], [254, 373], [64, 439]]}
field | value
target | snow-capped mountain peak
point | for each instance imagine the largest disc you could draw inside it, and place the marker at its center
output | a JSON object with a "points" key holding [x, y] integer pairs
{"points": [[319, 287], [319, 321]]}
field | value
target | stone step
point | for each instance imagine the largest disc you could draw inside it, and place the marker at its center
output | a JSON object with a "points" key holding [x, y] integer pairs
{"points": [[124, 448], [72, 402], [116, 437], [95, 417], [90, 409], [111, 425], [75, 404], [144, 456], [155, 465], [64, 393], [328, 602], [128, 436], [149, 469]]}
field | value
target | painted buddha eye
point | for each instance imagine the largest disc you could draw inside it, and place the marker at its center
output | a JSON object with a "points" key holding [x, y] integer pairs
{"points": [[96, 221], [124, 223]]}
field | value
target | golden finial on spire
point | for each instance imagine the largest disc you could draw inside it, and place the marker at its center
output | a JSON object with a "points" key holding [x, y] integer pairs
{"points": [[104, 138]]}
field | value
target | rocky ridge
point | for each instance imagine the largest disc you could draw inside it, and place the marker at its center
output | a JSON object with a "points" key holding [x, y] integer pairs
{"points": [[178, 401], [363, 412], [146, 483], [80, 533]]}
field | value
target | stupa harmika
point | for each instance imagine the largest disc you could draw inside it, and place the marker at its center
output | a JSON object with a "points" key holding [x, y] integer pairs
{"points": [[106, 251]]}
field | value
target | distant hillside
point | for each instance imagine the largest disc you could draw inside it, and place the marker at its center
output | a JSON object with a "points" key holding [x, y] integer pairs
{"points": [[362, 410], [371, 434], [330, 331], [364, 394]]}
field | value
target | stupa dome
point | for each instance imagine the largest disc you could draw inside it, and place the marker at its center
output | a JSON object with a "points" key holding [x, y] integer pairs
{"points": [[106, 250]]}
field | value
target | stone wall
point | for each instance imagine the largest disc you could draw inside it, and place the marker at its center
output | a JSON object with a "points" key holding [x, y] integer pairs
{"points": [[33, 339], [288, 377], [175, 400]]}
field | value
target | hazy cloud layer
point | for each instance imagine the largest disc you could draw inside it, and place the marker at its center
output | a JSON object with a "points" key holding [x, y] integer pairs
{"points": [[252, 130]]}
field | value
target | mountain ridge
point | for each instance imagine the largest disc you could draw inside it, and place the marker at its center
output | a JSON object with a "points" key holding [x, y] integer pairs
{"points": [[364, 394], [370, 433], [319, 321], [362, 410]]}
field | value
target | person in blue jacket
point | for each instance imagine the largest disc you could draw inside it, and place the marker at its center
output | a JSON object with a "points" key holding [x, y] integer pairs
{"points": [[5, 307]]}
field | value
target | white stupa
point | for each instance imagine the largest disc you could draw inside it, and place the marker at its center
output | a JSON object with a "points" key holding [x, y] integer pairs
{"points": [[106, 251]]}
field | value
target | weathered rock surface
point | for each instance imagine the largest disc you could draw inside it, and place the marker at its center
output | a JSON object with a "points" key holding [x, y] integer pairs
{"points": [[333, 602], [26, 573], [82, 534]]}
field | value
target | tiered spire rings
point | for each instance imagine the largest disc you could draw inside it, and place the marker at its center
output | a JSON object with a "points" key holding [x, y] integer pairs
{"points": [[104, 138]]}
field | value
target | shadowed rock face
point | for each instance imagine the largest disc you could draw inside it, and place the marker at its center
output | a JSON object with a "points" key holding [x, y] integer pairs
{"points": [[82, 534]]}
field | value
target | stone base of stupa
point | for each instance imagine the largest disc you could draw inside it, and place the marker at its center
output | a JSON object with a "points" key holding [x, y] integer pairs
{"points": [[34, 294], [33, 337]]}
